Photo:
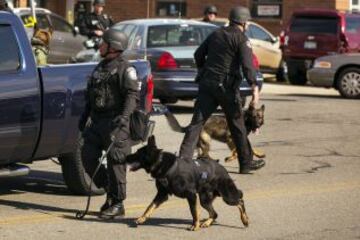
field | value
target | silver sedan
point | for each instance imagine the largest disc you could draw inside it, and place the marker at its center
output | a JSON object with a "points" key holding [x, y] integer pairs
{"points": [[340, 71]]}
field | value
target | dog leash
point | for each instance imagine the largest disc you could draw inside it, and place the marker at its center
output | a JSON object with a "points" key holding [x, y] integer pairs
{"points": [[81, 214]]}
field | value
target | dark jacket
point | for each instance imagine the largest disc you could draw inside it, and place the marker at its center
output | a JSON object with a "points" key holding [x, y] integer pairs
{"points": [[93, 22], [224, 52], [110, 91]]}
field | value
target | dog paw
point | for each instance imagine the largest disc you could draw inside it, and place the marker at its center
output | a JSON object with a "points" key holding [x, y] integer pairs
{"points": [[194, 227], [207, 223], [244, 219], [140, 220]]}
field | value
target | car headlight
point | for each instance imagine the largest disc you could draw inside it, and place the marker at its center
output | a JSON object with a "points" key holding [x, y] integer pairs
{"points": [[322, 64]]}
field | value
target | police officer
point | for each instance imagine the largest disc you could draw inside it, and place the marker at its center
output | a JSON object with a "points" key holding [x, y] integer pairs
{"points": [[94, 24], [4, 6], [111, 96], [218, 60], [210, 13]]}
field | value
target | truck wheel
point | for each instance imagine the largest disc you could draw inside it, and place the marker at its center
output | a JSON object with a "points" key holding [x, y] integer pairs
{"points": [[348, 83], [296, 75], [77, 173]]}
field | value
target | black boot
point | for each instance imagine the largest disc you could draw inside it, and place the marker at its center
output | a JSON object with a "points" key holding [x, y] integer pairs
{"points": [[108, 202], [252, 166], [116, 210]]}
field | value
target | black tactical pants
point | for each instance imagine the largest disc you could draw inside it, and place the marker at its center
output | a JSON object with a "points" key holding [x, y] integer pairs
{"points": [[209, 98], [96, 140]]}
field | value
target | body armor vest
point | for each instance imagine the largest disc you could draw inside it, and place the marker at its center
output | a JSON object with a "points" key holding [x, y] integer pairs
{"points": [[105, 87]]}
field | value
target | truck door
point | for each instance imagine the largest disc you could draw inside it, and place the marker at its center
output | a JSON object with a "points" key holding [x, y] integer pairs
{"points": [[20, 104]]}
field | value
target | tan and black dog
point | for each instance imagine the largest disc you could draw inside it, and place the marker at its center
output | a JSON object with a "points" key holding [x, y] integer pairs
{"points": [[216, 128], [199, 181]]}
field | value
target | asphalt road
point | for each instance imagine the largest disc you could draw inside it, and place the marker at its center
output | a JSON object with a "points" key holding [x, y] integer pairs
{"points": [[309, 188]]}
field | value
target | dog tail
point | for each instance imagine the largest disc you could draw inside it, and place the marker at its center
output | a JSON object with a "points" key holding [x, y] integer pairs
{"points": [[174, 123], [229, 192]]}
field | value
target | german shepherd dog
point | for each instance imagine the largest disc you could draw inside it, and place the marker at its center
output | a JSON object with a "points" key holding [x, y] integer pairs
{"points": [[216, 128], [200, 179]]}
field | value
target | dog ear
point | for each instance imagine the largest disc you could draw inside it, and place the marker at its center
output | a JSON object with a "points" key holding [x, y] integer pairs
{"points": [[151, 141]]}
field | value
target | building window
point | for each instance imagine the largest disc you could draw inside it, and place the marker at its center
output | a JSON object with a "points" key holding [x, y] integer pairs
{"points": [[38, 3], [266, 8], [355, 4], [171, 8]]}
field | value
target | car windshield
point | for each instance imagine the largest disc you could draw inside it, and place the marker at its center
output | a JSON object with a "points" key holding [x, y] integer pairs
{"points": [[177, 35], [305, 24], [353, 25]]}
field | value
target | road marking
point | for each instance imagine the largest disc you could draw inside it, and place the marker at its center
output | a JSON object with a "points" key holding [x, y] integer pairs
{"points": [[252, 195]]}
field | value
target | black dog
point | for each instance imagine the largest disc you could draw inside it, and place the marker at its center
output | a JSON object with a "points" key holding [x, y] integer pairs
{"points": [[188, 179]]}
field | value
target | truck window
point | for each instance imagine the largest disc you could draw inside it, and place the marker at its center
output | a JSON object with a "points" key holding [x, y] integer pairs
{"points": [[310, 24], [42, 21], [60, 25], [259, 34], [9, 52]]}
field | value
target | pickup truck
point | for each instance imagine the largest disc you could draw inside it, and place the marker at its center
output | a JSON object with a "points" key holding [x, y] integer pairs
{"points": [[40, 108]]}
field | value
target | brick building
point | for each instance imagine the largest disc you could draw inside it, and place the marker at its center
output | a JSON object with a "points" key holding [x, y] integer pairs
{"points": [[272, 14]]}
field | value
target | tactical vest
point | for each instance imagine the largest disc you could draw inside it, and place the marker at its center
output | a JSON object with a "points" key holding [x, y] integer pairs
{"points": [[105, 89]]}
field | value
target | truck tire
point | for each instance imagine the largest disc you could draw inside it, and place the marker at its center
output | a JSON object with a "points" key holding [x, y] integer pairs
{"points": [[348, 83], [77, 173], [296, 75]]}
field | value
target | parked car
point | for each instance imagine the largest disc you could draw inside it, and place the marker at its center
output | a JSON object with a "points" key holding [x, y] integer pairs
{"points": [[340, 71], [265, 46], [169, 45], [66, 41], [312, 33], [40, 108]]}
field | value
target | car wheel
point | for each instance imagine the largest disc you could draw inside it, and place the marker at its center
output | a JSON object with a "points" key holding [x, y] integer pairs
{"points": [[297, 76], [348, 83], [77, 173], [281, 74]]}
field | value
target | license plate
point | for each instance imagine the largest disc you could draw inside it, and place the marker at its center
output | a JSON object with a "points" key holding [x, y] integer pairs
{"points": [[310, 45]]}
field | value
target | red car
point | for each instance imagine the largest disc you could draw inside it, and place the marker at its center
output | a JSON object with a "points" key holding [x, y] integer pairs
{"points": [[312, 33]]}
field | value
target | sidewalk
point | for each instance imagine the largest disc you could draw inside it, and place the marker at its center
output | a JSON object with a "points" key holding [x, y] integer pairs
{"points": [[284, 89]]}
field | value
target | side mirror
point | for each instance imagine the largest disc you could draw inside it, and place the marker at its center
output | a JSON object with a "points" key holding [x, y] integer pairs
{"points": [[76, 30], [275, 40]]}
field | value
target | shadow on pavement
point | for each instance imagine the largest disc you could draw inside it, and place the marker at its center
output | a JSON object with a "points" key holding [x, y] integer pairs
{"points": [[154, 222], [39, 207], [37, 182]]}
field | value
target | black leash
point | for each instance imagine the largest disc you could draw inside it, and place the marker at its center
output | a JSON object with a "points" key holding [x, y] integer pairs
{"points": [[81, 214]]}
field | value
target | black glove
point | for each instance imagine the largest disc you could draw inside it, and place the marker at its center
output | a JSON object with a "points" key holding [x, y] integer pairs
{"points": [[120, 121], [120, 124]]}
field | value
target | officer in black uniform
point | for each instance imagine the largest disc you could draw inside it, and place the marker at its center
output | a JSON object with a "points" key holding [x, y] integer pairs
{"points": [[210, 13], [218, 60], [111, 96], [4, 6], [96, 23]]}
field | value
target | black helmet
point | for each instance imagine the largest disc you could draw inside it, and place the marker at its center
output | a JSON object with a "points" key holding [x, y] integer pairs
{"points": [[239, 15], [116, 39], [210, 9], [101, 2]]}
